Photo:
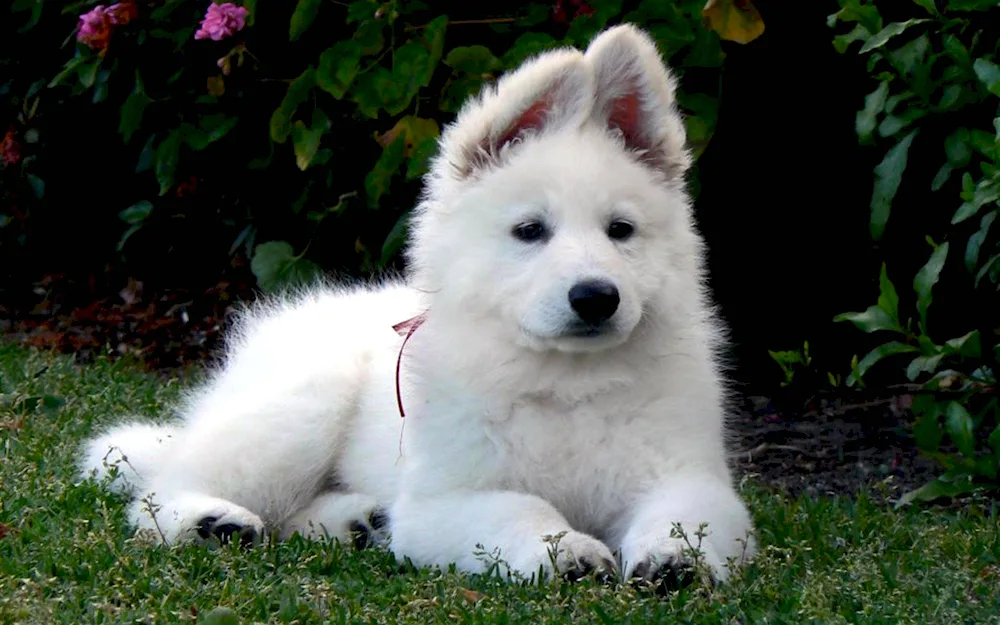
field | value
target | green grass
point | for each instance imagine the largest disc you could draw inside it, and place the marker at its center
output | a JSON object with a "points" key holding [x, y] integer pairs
{"points": [[69, 557]]}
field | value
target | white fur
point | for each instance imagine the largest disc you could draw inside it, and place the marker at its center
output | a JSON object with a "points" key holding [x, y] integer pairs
{"points": [[514, 431]]}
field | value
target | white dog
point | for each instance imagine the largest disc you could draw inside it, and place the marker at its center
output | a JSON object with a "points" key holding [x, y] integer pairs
{"points": [[558, 375]]}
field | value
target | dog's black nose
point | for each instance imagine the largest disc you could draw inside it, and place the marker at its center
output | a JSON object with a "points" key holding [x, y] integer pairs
{"points": [[594, 300]]}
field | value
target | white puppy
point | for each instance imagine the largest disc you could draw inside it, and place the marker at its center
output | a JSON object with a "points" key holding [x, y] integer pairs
{"points": [[560, 380]]}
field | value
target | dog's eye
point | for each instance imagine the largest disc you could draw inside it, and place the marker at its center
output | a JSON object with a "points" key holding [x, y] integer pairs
{"points": [[530, 231], [620, 230]]}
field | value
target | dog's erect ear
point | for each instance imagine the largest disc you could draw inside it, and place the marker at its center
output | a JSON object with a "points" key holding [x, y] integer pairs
{"points": [[635, 96], [548, 92]]}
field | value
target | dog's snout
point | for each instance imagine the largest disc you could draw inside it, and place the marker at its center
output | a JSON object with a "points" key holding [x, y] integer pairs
{"points": [[594, 300]]}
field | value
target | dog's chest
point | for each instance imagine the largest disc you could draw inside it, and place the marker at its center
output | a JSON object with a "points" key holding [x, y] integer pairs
{"points": [[588, 460]]}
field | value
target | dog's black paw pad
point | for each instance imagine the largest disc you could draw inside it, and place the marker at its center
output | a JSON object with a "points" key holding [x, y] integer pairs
{"points": [[225, 533], [602, 569], [668, 576], [379, 518], [361, 534]]}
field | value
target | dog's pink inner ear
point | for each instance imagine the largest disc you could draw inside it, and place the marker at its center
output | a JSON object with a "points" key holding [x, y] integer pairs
{"points": [[533, 118], [625, 115]]}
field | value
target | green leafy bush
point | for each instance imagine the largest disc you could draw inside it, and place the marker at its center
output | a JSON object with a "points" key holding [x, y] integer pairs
{"points": [[301, 129], [936, 68]]}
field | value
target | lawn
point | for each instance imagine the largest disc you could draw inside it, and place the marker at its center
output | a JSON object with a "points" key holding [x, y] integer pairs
{"points": [[66, 555]]}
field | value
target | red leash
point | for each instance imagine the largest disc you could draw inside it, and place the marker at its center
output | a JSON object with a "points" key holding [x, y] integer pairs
{"points": [[406, 330]]}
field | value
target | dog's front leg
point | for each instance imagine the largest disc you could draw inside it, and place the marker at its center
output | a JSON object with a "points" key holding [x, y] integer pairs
{"points": [[686, 518], [522, 534]]}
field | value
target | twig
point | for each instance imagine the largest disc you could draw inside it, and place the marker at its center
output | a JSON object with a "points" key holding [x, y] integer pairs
{"points": [[847, 408], [490, 20], [759, 449]]}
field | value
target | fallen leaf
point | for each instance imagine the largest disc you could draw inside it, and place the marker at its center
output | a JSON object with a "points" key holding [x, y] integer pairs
{"points": [[4, 530], [216, 85], [734, 20], [471, 596]]}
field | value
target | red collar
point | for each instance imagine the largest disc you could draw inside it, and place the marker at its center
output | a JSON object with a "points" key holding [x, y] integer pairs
{"points": [[406, 330]]}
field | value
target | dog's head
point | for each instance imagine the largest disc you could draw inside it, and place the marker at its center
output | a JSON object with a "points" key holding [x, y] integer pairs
{"points": [[556, 207]]}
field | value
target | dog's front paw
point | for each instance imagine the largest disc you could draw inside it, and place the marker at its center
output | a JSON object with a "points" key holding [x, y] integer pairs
{"points": [[671, 563], [346, 517], [198, 519], [247, 530], [577, 555]]}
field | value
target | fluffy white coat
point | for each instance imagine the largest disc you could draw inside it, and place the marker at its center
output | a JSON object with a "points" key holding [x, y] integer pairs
{"points": [[518, 426]]}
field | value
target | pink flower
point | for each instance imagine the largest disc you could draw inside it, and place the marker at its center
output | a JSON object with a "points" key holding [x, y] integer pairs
{"points": [[95, 28], [96, 24], [122, 13], [10, 149], [221, 21]]}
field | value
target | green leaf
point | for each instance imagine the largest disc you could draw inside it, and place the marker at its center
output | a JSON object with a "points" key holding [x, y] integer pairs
{"points": [[475, 59], [71, 67], [994, 443], [167, 155], [101, 86], [251, 7], [871, 358], [212, 128], [35, 6], [395, 240], [985, 143], [361, 10], [927, 5], [927, 431], [893, 124], [372, 89], [87, 72], [298, 92], [984, 193], [220, 616], [925, 280], [434, 34], [420, 142], [584, 27], [988, 73], [991, 267], [922, 364], [853, 11], [132, 110], [957, 148], [888, 299], [378, 179], [457, 91], [842, 42], [968, 346], [936, 489], [137, 213], [276, 267], [306, 140], [864, 123], [147, 156], [883, 36], [303, 17], [872, 320], [941, 177], [960, 428], [971, 5], [525, 46], [956, 50], [975, 243], [338, 66], [888, 175], [908, 57], [37, 185]]}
